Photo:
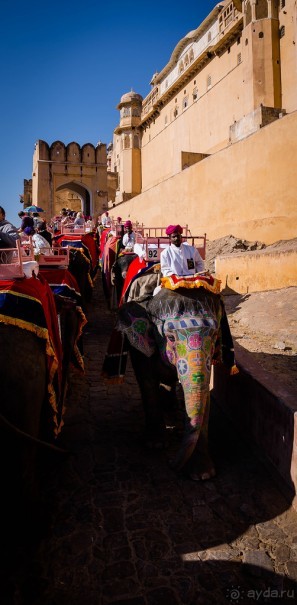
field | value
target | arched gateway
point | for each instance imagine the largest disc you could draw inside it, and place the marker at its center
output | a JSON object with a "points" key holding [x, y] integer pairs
{"points": [[70, 176]]}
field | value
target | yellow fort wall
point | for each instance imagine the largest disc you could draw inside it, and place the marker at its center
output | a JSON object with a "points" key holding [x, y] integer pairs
{"points": [[257, 271], [247, 190]]}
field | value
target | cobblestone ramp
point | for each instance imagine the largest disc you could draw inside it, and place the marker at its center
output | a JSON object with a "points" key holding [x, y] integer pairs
{"points": [[125, 530]]}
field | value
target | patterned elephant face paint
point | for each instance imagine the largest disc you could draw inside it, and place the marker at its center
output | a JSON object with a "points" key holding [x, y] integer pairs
{"points": [[140, 326], [207, 344], [197, 378], [194, 341], [182, 367], [170, 348], [181, 349]]}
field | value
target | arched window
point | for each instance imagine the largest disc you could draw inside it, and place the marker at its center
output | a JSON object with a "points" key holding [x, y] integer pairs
{"points": [[125, 112], [181, 67], [191, 55], [127, 141], [136, 141]]}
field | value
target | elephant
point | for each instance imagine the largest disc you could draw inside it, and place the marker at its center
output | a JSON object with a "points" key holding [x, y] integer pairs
{"points": [[72, 320], [83, 262], [35, 355], [79, 266], [118, 274], [172, 336], [114, 265]]}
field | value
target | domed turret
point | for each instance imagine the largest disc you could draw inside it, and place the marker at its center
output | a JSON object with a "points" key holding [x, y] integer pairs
{"points": [[130, 97], [127, 146]]}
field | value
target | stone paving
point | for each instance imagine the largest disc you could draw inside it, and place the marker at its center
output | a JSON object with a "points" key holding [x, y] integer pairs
{"points": [[126, 530]]}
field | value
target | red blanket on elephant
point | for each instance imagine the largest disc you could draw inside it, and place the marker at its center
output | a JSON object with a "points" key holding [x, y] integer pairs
{"points": [[134, 269], [109, 257], [64, 284], [103, 238], [86, 239], [89, 241], [29, 304]]}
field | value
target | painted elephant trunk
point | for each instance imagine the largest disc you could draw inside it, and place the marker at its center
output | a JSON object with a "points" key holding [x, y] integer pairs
{"points": [[191, 350]]}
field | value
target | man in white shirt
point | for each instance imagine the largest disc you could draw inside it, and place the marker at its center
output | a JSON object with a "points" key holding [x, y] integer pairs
{"points": [[179, 258], [106, 220], [129, 237]]}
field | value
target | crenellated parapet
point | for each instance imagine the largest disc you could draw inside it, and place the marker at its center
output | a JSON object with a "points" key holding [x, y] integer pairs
{"points": [[71, 153]]}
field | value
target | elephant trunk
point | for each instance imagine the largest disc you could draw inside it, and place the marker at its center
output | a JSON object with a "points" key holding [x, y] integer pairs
{"points": [[197, 402], [193, 368]]}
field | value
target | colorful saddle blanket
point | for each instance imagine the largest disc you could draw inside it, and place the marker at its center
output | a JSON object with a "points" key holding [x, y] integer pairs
{"points": [[29, 304], [64, 284], [173, 282]]}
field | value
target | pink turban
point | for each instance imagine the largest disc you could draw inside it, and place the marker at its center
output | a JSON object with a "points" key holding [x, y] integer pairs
{"points": [[128, 224], [173, 229]]}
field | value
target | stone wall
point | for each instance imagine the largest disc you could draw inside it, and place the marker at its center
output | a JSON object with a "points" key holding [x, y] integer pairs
{"points": [[257, 271], [247, 190]]}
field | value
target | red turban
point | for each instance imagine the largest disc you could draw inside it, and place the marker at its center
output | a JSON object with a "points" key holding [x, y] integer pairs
{"points": [[128, 224], [173, 229], [119, 219]]}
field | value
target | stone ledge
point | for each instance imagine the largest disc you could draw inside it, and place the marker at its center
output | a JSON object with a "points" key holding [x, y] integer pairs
{"points": [[257, 271], [264, 411]]}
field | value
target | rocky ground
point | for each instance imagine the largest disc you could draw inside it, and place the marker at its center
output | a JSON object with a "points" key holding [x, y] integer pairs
{"points": [[264, 323]]}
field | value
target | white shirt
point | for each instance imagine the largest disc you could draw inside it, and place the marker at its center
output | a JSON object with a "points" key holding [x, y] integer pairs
{"points": [[129, 240], [182, 260], [79, 220], [39, 243], [106, 221]]}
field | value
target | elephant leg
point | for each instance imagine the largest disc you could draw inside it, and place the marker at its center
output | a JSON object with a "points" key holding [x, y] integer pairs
{"points": [[145, 369]]}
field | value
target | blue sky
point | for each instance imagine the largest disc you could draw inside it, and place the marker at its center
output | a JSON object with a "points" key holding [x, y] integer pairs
{"points": [[65, 65]]}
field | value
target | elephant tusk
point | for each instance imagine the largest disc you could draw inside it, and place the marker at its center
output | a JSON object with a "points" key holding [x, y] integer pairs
{"points": [[167, 387]]}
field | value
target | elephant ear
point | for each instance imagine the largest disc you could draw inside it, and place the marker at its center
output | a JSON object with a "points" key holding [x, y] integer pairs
{"points": [[134, 322]]}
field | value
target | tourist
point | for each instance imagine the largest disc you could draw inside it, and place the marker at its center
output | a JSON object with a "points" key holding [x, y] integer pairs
{"points": [[27, 220], [42, 230], [8, 232], [36, 218], [79, 220], [40, 244], [106, 220]]}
